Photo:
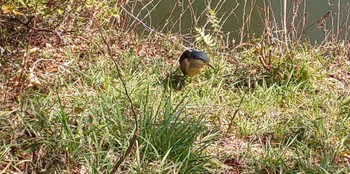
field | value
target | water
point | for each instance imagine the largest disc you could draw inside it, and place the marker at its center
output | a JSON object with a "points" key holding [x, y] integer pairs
{"points": [[178, 16]]}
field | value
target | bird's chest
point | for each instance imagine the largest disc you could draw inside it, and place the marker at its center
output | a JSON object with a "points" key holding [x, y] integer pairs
{"points": [[192, 67]]}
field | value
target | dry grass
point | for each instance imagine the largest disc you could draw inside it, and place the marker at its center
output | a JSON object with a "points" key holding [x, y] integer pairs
{"points": [[63, 108]]}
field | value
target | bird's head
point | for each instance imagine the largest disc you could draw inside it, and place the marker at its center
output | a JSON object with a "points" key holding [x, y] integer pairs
{"points": [[193, 61], [201, 56]]}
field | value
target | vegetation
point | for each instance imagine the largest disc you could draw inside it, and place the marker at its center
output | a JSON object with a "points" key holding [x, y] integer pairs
{"points": [[274, 104]]}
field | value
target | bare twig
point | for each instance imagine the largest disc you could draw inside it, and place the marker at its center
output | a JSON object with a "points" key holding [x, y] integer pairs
{"points": [[235, 113], [136, 118], [338, 22], [303, 23], [150, 29], [243, 22], [319, 22], [285, 31], [295, 10], [346, 23], [167, 18], [262, 56]]}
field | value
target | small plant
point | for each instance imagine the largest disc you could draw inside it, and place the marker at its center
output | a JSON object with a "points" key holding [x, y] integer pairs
{"points": [[173, 139]]}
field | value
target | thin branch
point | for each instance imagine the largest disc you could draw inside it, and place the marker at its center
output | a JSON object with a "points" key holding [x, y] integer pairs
{"points": [[136, 118], [243, 22], [234, 114], [285, 22], [262, 56], [150, 29], [324, 17]]}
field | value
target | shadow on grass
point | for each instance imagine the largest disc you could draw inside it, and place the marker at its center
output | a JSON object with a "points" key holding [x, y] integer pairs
{"points": [[175, 81]]}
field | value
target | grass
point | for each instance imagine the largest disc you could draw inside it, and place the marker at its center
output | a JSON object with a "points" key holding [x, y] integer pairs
{"points": [[77, 118]]}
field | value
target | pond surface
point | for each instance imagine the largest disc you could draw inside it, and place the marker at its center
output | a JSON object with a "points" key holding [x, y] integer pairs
{"points": [[178, 15]]}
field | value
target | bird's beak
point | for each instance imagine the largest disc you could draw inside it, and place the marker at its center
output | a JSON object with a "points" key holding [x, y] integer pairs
{"points": [[211, 66]]}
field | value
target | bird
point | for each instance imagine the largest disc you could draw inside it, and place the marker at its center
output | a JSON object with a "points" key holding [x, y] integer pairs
{"points": [[193, 62]]}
